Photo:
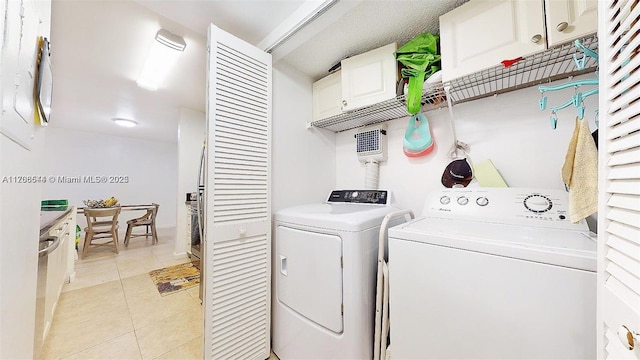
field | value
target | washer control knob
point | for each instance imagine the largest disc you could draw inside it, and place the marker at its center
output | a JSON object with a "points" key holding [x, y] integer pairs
{"points": [[354, 194], [482, 201], [445, 200], [463, 200], [537, 203]]}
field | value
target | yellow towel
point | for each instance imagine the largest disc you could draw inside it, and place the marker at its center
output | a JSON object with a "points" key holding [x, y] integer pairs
{"points": [[567, 168], [580, 173]]}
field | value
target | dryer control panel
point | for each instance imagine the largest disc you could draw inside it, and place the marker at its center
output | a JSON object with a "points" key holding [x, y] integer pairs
{"points": [[378, 197]]}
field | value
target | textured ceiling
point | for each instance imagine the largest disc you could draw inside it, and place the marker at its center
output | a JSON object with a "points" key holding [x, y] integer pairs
{"points": [[368, 26]]}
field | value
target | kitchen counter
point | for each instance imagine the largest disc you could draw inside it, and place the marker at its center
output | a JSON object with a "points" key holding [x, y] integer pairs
{"points": [[49, 218]]}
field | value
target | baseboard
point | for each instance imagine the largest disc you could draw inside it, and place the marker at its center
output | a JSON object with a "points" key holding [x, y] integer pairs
{"points": [[180, 255]]}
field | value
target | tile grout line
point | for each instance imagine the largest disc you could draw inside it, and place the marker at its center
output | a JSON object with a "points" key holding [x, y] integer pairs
{"points": [[126, 300]]}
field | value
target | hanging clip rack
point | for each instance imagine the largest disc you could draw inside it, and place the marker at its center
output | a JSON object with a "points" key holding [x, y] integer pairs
{"points": [[576, 100]]}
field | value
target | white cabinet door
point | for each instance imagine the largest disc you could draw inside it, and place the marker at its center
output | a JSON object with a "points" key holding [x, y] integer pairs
{"points": [[481, 33], [70, 248], [237, 239], [619, 181], [570, 19], [57, 262], [327, 96], [369, 78]]}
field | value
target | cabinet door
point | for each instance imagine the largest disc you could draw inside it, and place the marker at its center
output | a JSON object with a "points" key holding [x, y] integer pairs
{"points": [[481, 33], [369, 78], [327, 97], [619, 181], [70, 273], [237, 212], [570, 19]]}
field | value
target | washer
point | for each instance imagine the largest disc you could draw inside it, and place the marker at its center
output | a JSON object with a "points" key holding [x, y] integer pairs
{"points": [[493, 273], [325, 262]]}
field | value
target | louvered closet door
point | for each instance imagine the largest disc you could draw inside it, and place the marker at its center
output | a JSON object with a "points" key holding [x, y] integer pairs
{"points": [[238, 210], [619, 165]]}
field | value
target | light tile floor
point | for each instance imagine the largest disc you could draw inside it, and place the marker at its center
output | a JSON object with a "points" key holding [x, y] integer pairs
{"points": [[113, 311]]}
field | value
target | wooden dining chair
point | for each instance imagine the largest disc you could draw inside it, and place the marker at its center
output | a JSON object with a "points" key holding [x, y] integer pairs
{"points": [[148, 220], [101, 224]]}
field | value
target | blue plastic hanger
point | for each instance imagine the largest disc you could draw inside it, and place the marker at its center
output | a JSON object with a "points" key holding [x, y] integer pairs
{"points": [[576, 83], [553, 120], [577, 101], [543, 102], [580, 63]]}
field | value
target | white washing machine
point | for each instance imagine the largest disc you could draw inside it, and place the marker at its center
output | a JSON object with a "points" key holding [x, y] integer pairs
{"points": [[325, 263], [493, 273]]}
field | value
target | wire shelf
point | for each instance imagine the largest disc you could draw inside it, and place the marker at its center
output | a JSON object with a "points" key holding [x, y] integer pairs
{"points": [[552, 64], [432, 98]]}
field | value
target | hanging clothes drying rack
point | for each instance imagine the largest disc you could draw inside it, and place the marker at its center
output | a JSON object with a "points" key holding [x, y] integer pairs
{"points": [[577, 100]]}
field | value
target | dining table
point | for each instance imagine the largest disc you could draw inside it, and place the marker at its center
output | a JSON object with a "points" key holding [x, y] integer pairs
{"points": [[123, 207]]}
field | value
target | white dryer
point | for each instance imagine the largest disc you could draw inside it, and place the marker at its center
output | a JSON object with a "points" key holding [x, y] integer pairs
{"points": [[493, 273], [325, 261]]}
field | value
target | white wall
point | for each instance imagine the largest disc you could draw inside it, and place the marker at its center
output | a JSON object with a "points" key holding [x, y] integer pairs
{"points": [[20, 218], [509, 129], [151, 168], [19, 203], [303, 160], [191, 135]]}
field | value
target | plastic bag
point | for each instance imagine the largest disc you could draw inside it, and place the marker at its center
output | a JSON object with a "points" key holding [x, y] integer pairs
{"points": [[418, 56]]}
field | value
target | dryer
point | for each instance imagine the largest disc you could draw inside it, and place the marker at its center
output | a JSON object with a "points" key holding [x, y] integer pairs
{"points": [[325, 261], [493, 273]]}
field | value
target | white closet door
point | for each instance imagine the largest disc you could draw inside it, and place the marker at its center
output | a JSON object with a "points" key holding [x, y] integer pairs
{"points": [[237, 264], [619, 165]]}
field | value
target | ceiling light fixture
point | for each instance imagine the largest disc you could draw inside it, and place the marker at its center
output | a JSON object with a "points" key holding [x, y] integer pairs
{"points": [[125, 122], [164, 53]]}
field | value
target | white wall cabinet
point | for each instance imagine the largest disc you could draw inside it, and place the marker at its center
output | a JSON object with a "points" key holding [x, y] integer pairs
{"points": [[482, 33], [369, 78], [570, 19], [327, 96]]}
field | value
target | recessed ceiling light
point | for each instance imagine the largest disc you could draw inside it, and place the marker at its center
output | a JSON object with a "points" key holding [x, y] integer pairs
{"points": [[125, 122]]}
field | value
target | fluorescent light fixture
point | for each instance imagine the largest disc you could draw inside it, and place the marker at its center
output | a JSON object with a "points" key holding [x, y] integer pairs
{"points": [[125, 122], [164, 53]]}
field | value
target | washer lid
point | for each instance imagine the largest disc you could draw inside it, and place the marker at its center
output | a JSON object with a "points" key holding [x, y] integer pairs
{"points": [[575, 249], [341, 216]]}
